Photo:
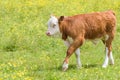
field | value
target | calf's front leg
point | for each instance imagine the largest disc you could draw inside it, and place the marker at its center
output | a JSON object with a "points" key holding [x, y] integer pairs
{"points": [[77, 54], [76, 43]]}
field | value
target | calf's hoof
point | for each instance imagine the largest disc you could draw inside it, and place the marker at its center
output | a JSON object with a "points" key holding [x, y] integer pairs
{"points": [[111, 62], [64, 67], [104, 66], [79, 66]]}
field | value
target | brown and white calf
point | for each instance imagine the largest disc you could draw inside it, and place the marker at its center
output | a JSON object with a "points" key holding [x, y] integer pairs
{"points": [[74, 30]]}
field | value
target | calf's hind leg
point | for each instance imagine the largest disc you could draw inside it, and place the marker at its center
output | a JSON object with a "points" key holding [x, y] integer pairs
{"points": [[77, 53], [108, 57]]}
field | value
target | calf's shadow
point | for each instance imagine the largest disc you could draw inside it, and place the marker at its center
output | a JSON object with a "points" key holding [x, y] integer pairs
{"points": [[72, 66]]}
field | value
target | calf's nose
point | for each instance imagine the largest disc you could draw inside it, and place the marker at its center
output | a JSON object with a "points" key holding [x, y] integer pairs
{"points": [[48, 33]]}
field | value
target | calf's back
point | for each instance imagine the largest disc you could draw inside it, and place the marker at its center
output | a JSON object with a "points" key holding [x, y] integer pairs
{"points": [[91, 26]]}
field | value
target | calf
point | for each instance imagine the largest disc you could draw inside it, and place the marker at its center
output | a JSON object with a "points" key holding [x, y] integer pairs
{"points": [[74, 30]]}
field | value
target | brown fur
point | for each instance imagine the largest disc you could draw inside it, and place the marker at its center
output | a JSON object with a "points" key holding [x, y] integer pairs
{"points": [[88, 26]]}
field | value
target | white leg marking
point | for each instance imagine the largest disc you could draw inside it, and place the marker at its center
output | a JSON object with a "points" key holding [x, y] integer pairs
{"points": [[65, 66], [67, 43], [106, 59], [106, 37], [111, 58], [77, 53]]}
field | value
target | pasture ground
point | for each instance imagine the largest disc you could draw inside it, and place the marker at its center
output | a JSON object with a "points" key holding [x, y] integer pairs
{"points": [[26, 53]]}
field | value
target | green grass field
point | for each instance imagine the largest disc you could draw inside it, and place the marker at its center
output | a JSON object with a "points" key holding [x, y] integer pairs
{"points": [[26, 53]]}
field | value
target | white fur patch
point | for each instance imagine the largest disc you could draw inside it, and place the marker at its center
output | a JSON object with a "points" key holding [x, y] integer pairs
{"points": [[105, 62], [95, 41], [106, 37], [111, 58], [106, 59], [67, 43], [77, 52], [70, 39]]}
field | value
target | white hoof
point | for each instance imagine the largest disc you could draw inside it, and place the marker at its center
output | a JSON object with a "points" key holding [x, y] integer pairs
{"points": [[104, 66], [65, 66], [111, 62], [111, 59]]}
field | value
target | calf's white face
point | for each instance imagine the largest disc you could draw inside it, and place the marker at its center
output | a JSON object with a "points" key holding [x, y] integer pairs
{"points": [[53, 26]]}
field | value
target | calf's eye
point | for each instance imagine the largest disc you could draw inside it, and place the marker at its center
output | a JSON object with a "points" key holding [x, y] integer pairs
{"points": [[54, 25]]}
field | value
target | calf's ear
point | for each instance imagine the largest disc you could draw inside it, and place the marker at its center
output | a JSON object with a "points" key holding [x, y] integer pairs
{"points": [[61, 18], [51, 15]]}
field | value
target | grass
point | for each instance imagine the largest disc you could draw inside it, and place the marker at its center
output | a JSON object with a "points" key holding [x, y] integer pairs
{"points": [[26, 53]]}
